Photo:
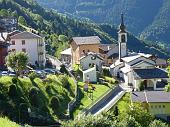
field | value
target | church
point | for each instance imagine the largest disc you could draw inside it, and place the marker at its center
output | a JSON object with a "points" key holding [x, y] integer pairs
{"points": [[137, 70]]}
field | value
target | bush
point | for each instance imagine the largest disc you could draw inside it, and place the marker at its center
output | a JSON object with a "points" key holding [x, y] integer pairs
{"points": [[106, 72], [63, 69], [33, 75], [54, 103], [158, 123], [14, 80], [12, 91], [141, 86], [33, 95]]}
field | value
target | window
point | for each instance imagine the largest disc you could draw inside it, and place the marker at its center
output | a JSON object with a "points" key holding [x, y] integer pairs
{"points": [[13, 50], [24, 50], [159, 106], [123, 38], [13, 42], [163, 106], [23, 42], [151, 106]]}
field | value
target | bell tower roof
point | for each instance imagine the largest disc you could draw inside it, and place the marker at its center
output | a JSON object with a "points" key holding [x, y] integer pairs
{"points": [[122, 26]]}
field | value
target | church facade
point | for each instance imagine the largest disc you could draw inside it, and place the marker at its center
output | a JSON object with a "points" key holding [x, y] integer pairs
{"points": [[137, 70]]}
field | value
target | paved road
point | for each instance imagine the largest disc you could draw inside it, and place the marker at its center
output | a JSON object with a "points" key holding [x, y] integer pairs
{"points": [[109, 102], [54, 61]]}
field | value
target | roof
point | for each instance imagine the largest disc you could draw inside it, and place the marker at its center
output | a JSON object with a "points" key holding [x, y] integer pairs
{"points": [[107, 47], [151, 96], [125, 69], [160, 61], [131, 57], [25, 35], [86, 40], [141, 61], [150, 73], [117, 63], [135, 56], [92, 54], [114, 55], [66, 52]]}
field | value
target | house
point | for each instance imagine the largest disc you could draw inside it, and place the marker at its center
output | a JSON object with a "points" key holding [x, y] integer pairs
{"points": [[90, 75], [136, 69], [90, 60], [3, 49], [82, 45], [66, 56], [156, 102], [109, 52], [30, 43]]}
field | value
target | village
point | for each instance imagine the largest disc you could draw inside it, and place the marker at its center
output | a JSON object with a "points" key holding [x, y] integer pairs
{"points": [[92, 63]]}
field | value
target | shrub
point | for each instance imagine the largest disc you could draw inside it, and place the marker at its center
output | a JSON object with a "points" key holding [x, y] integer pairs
{"points": [[14, 80], [33, 95], [33, 75], [63, 69], [106, 72], [157, 123], [12, 91], [54, 103], [141, 86]]}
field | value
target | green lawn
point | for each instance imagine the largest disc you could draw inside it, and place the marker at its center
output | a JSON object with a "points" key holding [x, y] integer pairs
{"points": [[86, 99], [123, 104]]}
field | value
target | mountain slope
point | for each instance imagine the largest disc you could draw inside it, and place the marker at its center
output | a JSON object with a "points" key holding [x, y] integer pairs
{"points": [[142, 16], [52, 22]]}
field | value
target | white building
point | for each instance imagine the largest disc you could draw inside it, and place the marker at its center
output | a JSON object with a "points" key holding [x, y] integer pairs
{"points": [[137, 69], [91, 59], [30, 43]]}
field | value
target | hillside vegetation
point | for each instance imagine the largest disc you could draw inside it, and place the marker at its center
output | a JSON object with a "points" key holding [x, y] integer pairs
{"points": [[36, 101], [148, 18], [5, 122], [50, 22]]}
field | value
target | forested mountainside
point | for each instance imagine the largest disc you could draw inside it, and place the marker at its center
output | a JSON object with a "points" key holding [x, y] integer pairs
{"points": [[50, 22], [148, 19]]}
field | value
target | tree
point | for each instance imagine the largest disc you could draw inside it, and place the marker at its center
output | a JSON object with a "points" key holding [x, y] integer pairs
{"points": [[167, 88], [22, 20], [140, 114], [17, 61], [158, 123]]}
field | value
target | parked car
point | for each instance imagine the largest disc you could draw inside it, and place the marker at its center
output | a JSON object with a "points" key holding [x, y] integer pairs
{"points": [[4, 73], [49, 71], [40, 73], [12, 73]]}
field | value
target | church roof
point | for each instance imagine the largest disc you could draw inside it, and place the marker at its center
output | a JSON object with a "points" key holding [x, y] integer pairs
{"points": [[86, 40], [150, 73]]}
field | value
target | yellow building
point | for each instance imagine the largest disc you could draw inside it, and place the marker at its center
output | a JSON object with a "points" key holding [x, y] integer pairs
{"points": [[156, 102]]}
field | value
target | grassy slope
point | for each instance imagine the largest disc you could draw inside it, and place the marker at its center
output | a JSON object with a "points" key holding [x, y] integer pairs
{"points": [[86, 99], [52, 86], [4, 122]]}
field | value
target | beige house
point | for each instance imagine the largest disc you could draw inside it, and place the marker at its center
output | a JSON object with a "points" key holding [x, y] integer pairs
{"points": [[82, 45]]}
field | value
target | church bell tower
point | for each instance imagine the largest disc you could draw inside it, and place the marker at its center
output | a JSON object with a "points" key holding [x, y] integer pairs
{"points": [[122, 39]]}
